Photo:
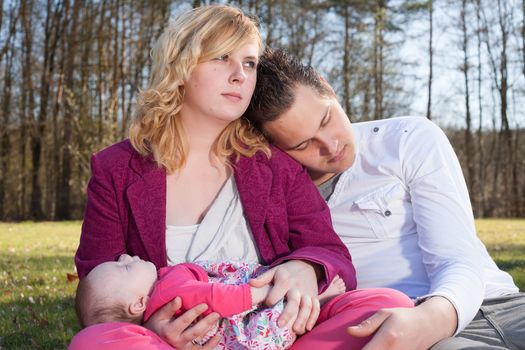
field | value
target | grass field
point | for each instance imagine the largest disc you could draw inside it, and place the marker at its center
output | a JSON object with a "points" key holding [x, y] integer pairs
{"points": [[36, 298]]}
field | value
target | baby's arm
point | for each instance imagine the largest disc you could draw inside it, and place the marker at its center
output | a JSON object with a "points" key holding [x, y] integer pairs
{"points": [[259, 294], [190, 283]]}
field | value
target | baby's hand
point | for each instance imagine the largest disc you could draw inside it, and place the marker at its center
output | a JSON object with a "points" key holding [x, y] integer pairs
{"points": [[259, 294]]}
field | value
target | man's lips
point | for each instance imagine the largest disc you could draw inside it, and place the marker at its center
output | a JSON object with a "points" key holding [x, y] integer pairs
{"points": [[233, 96], [339, 155]]}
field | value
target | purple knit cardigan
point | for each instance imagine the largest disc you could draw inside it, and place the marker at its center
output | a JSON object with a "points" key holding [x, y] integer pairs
{"points": [[126, 212]]}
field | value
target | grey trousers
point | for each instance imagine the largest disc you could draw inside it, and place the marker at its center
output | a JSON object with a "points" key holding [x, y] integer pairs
{"points": [[499, 324]]}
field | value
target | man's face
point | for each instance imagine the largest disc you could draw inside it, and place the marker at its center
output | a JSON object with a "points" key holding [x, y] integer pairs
{"points": [[316, 132]]}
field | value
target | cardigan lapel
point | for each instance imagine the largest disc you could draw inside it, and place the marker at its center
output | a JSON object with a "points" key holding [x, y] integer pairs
{"points": [[147, 199], [254, 184]]}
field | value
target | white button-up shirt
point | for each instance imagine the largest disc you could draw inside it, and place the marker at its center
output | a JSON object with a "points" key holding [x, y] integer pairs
{"points": [[404, 213]]}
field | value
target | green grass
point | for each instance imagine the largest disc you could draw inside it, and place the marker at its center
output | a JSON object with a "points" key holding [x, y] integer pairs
{"points": [[36, 299], [505, 241]]}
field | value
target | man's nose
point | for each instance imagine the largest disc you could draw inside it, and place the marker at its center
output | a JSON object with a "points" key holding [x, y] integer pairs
{"points": [[329, 145]]}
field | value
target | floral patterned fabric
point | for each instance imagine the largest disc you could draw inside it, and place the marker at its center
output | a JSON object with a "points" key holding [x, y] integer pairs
{"points": [[254, 329]]}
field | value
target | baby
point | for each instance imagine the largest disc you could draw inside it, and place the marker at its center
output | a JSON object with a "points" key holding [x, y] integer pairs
{"points": [[128, 290]]}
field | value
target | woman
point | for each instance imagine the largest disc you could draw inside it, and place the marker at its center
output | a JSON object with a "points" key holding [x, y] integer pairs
{"points": [[195, 182]]}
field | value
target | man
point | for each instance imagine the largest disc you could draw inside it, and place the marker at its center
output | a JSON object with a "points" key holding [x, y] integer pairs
{"points": [[399, 202]]}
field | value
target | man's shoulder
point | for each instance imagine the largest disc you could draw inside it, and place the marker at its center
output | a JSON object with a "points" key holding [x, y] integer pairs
{"points": [[393, 124], [397, 129]]}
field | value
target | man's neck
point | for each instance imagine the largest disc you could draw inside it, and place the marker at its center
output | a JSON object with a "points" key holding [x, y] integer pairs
{"points": [[319, 178]]}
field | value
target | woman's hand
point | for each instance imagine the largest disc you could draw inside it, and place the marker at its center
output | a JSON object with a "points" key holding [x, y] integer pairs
{"points": [[409, 328], [177, 331], [297, 281]]}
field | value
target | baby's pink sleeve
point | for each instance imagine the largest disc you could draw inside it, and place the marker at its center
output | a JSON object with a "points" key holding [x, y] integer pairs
{"points": [[190, 283]]}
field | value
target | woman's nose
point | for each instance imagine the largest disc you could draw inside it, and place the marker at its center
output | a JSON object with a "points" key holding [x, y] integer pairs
{"points": [[237, 75]]}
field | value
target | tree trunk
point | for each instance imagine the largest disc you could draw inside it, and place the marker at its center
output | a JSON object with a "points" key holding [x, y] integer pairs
{"points": [[346, 62], [468, 131], [51, 37], [63, 207], [481, 163], [379, 22], [5, 143], [270, 24], [430, 57]]}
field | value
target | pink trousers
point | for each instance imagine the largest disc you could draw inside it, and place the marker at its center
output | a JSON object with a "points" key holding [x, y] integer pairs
{"points": [[328, 334]]}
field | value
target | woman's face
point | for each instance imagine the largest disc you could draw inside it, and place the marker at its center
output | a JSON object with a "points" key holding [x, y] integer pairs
{"points": [[220, 90]]}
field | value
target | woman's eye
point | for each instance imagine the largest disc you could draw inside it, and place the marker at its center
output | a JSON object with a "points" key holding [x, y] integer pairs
{"points": [[222, 58], [250, 64]]}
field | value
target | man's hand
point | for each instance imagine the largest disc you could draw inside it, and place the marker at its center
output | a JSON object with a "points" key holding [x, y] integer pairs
{"points": [[403, 328], [297, 281], [177, 331]]}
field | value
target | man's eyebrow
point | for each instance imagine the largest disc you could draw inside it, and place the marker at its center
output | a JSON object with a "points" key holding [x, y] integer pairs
{"points": [[323, 120]]}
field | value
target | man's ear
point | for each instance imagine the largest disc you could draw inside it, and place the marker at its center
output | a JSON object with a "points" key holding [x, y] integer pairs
{"points": [[138, 306]]}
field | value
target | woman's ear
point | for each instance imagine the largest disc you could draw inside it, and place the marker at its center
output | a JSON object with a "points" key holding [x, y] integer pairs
{"points": [[138, 306]]}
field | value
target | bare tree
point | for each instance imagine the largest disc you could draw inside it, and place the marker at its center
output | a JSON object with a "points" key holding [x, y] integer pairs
{"points": [[480, 136], [430, 56], [378, 45], [468, 120]]}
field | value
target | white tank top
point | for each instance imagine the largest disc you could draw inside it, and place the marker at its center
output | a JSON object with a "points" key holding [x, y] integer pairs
{"points": [[223, 234]]}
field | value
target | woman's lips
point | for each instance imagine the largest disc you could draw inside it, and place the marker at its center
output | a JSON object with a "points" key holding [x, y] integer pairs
{"points": [[233, 96]]}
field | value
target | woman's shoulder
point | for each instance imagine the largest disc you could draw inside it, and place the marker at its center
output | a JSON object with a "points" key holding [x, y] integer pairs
{"points": [[120, 157], [117, 151], [279, 164], [278, 160]]}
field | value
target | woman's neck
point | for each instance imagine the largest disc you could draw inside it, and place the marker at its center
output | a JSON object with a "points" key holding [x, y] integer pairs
{"points": [[201, 133]]}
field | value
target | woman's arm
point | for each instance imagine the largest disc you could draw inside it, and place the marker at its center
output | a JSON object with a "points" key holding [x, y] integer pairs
{"points": [[316, 254], [179, 332], [102, 237], [311, 237]]}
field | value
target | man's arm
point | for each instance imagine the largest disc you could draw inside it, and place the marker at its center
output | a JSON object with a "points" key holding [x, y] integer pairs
{"points": [[448, 243], [416, 328]]}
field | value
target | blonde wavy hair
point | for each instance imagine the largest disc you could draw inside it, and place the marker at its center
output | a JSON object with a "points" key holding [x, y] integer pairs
{"points": [[195, 36]]}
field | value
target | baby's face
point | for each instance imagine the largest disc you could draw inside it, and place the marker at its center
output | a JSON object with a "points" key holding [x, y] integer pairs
{"points": [[129, 273]]}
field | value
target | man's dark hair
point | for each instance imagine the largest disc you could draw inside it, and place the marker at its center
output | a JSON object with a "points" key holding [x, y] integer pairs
{"points": [[278, 75]]}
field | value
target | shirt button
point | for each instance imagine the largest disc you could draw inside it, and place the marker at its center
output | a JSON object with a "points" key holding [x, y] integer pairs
{"points": [[376, 129], [388, 213]]}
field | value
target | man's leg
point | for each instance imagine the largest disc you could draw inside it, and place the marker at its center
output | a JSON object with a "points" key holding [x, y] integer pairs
{"points": [[499, 324]]}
